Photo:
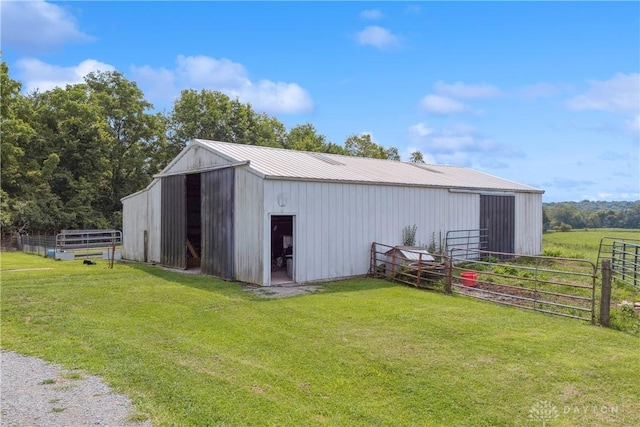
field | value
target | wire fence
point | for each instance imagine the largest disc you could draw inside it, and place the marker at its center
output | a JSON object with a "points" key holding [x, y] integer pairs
{"points": [[42, 245]]}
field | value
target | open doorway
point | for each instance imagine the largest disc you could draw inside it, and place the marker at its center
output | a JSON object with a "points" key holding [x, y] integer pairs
{"points": [[282, 250], [194, 227]]}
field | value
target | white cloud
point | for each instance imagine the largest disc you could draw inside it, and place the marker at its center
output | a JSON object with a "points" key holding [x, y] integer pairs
{"points": [[372, 14], [276, 97], [619, 94], [442, 105], [162, 86], [420, 130], [462, 90], [458, 144], [37, 26], [210, 72], [634, 124], [445, 100], [378, 37], [38, 75], [158, 85]]}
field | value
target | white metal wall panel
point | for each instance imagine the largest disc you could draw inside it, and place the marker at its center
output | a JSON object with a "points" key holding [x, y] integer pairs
{"points": [[153, 221], [134, 216], [336, 223], [528, 239]]}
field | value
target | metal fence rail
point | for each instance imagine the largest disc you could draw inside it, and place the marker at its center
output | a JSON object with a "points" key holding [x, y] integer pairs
{"points": [[88, 243], [625, 258], [471, 240]]}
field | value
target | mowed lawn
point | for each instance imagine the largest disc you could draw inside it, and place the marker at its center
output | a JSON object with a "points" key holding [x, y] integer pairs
{"points": [[193, 350]]}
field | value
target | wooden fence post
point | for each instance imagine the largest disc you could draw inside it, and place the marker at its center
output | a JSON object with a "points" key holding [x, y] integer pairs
{"points": [[605, 296]]}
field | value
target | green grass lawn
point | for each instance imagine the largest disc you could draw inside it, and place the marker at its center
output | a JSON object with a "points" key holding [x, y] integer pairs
{"points": [[192, 350]]}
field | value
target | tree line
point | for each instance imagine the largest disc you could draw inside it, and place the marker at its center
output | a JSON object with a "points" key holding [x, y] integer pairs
{"points": [[70, 154], [587, 214]]}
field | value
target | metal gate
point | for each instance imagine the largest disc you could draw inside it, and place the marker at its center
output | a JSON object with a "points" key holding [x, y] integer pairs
{"points": [[625, 258], [560, 286]]}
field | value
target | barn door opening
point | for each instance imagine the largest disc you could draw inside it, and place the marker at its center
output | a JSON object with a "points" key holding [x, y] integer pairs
{"points": [[498, 217], [194, 229], [282, 250]]}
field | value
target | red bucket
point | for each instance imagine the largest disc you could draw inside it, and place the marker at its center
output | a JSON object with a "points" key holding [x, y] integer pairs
{"points": [[469, 278]]}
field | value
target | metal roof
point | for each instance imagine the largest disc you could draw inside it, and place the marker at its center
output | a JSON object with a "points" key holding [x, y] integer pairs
{"points": [[280, 163], [412, 253]]}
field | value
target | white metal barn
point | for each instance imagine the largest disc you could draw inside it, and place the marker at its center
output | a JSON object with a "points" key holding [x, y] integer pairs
{"points": [[263, 215]]}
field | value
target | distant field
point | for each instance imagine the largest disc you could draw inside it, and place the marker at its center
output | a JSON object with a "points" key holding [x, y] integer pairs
{"points": [[192, 350], [584, 244]]}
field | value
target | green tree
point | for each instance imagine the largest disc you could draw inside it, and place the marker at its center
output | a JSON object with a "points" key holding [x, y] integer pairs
{"points": [[417, 157], [133, 137], [566, 213], [15, 132], [305, 138], [213, 115], [363, 146], [546, 221], [73, 156]]}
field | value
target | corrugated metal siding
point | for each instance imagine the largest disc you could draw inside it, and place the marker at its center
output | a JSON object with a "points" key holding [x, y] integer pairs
{"points": [[134, 222], [154, 210], [173, 222], [249, 228], [336, 223], [528, 224], [217, 222], [498, 216]]}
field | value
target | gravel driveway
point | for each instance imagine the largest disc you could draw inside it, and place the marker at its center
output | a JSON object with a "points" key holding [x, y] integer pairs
{"points": [[37, 393]]}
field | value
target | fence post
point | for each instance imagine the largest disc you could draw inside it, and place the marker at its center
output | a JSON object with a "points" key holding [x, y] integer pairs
{"points": [[449, 273], [419, 269], [605, 295]]}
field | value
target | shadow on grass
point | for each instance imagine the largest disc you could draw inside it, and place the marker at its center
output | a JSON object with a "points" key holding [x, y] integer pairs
{"points": [[189, 278], [233, 288]]}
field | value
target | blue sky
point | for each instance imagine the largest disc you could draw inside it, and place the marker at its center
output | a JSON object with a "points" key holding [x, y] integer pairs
{"points": [[542, 93]]}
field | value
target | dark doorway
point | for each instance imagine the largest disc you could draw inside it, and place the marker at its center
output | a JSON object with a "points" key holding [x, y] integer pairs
{"points": [[194, 230], [498, 217], [282, 250]]}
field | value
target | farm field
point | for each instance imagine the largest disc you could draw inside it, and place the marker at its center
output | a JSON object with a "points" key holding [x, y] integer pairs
{"points": [[583, 243], [192, 350]]}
